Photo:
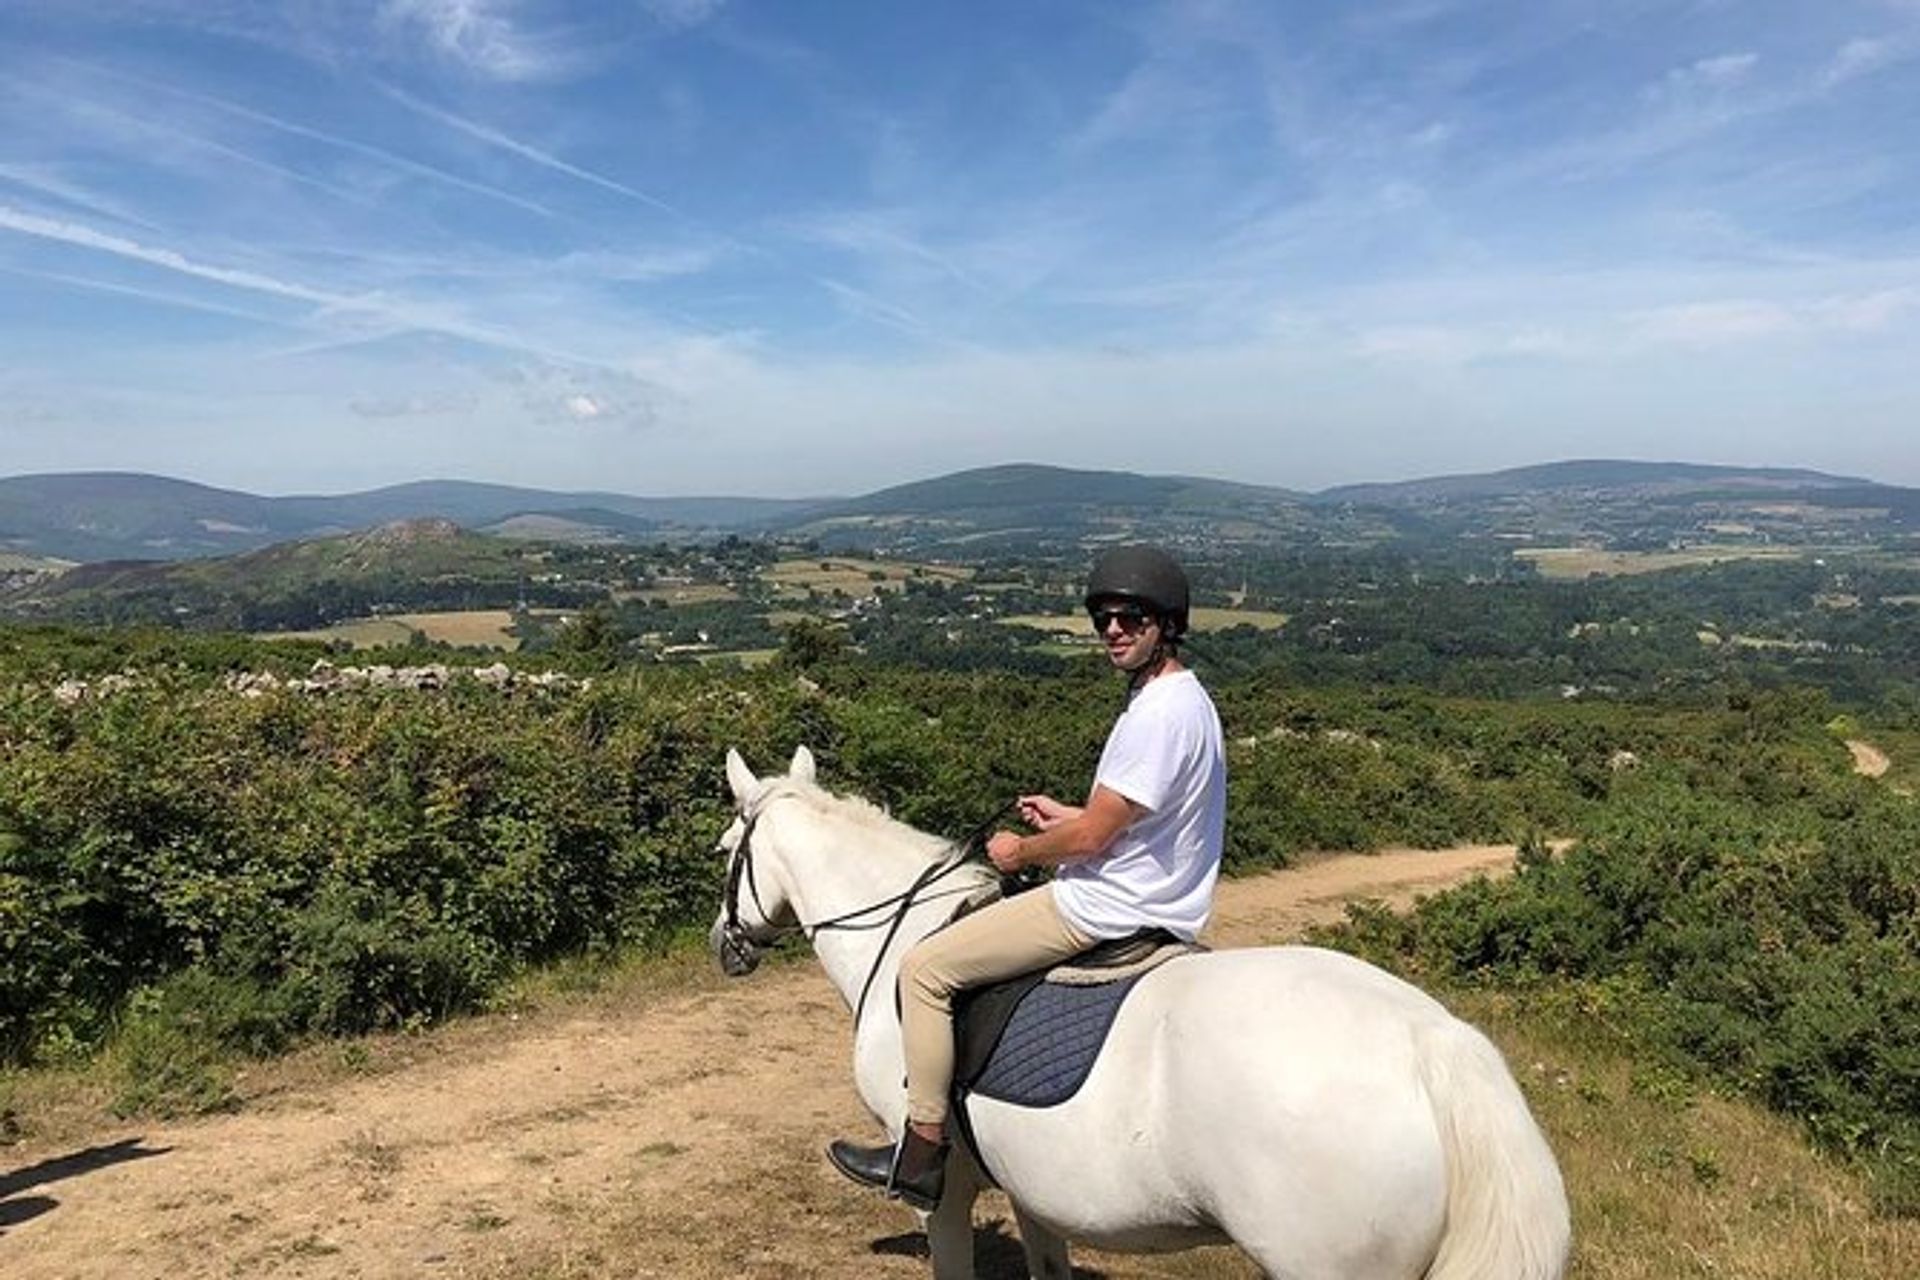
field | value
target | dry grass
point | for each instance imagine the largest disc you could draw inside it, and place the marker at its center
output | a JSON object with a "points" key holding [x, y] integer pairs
{"points": [[855, 577], [1208, 618], [1669, 1184], [1581, 562], [475, 628], [1665, 1184], [1204, 618], [361, 633], [470, 628], [681, 593]]}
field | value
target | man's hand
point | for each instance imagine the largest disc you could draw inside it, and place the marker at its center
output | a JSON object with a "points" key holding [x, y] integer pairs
{"points": [[1003, 851], [1044, 812], [1066, 834]]}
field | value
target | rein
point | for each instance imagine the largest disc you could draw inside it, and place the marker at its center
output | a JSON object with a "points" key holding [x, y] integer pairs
{"points": [[746, 951]]}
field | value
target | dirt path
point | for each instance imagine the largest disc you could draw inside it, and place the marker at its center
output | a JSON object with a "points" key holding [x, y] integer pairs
{"points": [[675, 1134], [1868, 760]]}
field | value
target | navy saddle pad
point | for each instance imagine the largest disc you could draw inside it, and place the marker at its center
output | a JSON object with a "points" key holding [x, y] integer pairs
{"points": [[1047, 1044]]}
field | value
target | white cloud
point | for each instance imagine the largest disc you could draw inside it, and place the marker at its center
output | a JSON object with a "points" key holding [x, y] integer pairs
{"points": [[84, 237], [1456, 345], [1865, 313], [1734, 321], [1726, 68], [1858, 58], [483, 36], [1705, 77], [49, 182], [552, 393], [143, 117], [636, 268], [1156, 99], [1708, 324], [415, 406], [680, 14]]}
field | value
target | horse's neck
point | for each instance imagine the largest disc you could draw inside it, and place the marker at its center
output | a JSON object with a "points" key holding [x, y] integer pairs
{"points": [[838, 867]]}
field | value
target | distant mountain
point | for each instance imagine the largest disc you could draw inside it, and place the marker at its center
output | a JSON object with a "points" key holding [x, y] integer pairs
{"points": [[1594, 474], [425, 564], [1041, 505], [90, 516], [1013, 509]]}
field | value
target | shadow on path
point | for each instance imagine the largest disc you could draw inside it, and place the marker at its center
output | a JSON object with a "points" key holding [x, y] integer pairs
{"points": [[996, 1252], [14, 1211]]}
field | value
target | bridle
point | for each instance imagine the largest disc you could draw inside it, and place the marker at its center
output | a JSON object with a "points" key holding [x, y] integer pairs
{"points": [[740, 950]]}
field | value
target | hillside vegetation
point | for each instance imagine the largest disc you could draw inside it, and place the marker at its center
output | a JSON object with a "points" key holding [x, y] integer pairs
{"points": [[188, 873]]}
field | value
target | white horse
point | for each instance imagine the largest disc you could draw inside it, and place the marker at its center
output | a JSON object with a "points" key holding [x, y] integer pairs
{"points": [[1327, 1118]]}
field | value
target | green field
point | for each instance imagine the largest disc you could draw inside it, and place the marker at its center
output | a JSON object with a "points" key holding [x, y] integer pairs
{"points": [[1583, 562], [12, 562]]}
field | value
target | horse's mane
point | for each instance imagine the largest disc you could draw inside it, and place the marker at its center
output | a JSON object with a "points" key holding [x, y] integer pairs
{"points": [[895, 838]]}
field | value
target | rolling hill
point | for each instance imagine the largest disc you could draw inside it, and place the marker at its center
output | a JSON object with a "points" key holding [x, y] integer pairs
{"points": [[91, 516], [1013, 509]]}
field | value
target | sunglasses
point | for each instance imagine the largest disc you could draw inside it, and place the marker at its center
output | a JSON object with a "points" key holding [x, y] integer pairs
{"points": [[1130, 618]]}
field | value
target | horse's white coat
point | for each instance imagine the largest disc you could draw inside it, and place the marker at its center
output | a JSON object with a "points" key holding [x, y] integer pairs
{"points": [[1332, 1121]]}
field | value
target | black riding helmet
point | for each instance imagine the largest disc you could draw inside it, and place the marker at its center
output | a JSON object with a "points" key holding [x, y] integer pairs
{"points": [[1147, 576]]}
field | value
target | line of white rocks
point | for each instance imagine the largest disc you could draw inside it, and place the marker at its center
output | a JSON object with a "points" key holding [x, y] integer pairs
{"points": [[326, 678]]}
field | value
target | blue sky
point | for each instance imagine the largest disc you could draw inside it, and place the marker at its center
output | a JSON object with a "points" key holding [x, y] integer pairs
{"points": [[793, 248]]}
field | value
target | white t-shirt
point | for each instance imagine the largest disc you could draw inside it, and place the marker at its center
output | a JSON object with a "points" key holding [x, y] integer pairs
{"points": [[1165, 755]]}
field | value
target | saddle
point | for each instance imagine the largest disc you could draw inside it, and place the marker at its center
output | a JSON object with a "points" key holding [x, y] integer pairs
{"points": [[1031, 1040]]}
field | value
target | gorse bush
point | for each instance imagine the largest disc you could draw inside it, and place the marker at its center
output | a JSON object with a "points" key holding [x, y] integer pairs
{"points": [[186, 873], [379, 858], [1774, 948]]}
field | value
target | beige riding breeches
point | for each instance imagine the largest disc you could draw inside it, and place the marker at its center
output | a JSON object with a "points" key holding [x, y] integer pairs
{"points": [[1013, 936]]}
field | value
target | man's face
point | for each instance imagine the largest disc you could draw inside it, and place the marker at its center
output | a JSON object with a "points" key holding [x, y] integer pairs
{"points": [[1128, 631]]}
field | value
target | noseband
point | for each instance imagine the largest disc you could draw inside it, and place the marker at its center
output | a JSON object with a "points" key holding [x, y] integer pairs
{"points": [[737, 945]]}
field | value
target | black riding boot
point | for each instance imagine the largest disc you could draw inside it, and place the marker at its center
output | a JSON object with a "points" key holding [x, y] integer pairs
{"points": [[914, 1170]]}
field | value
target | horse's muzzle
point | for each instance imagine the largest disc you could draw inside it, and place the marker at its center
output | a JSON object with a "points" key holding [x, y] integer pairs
{"points": [[738, 954]]}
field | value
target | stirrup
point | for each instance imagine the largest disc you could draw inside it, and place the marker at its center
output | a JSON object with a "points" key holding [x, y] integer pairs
{"points": [[913, 1170]]}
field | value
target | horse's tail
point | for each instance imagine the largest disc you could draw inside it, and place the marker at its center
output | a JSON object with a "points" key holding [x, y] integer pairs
{"points": [[1506, 1205]]}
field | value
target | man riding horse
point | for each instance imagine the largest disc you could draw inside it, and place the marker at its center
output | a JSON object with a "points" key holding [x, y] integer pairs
{"points": [[1142, 853]]}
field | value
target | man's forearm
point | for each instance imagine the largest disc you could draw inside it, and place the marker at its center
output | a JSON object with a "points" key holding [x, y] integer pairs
{"points": [[1070, 841]]}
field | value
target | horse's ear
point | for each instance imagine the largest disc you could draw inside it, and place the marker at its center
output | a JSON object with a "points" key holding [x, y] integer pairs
{"points": [[801, 770], [740, 778]]}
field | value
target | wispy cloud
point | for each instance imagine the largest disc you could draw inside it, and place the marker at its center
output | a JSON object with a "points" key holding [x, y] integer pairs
{"points": [[80, 236], [155, 297], [1742, 320], [918, 239], [680, 14], [369, 316], [1717, 72], [1866, 56], [46, 182], [381, 156], [526, 151], [413, 406], [1705, 324], [484, 36]]}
